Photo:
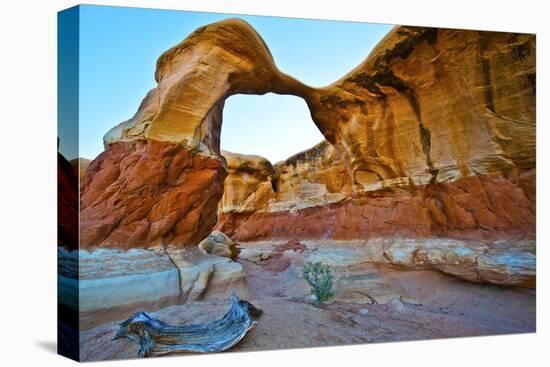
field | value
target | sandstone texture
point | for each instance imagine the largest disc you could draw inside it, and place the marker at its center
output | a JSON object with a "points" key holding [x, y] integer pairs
{"points": [[432, 136], [194, 79], [149, 193], [312, 178], [475, 207], [217, 243], [161, 176]]}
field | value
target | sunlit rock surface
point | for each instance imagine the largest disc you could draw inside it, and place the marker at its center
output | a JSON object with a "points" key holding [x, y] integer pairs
{"points": [[160, 178]]}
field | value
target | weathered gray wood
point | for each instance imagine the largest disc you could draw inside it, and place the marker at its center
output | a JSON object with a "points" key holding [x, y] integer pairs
{"points": [[156, 338]]}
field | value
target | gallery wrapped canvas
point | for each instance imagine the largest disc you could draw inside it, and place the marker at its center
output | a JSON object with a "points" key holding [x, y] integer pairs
{"points": [[389, 196]]}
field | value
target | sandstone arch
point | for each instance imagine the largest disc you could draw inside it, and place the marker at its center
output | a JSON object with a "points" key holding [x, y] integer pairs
{"points": [[427, 107], [161, 176]]}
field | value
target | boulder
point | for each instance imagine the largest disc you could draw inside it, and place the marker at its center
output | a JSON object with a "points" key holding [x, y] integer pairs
{"points": [[217, 243]]}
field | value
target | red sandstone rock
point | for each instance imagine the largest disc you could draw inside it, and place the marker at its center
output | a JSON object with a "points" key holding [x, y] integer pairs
{"points": [[145, 194], [486, 207]]}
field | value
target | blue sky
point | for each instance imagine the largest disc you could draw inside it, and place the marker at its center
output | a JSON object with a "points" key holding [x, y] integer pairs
{"points": [[119, 48]]}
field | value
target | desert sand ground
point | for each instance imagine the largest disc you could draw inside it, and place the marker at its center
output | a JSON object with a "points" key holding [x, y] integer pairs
{"points": [[401, 306]]}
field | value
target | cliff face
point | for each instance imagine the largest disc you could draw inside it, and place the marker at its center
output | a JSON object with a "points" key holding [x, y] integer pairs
{"points": [[476, 207], [432, 135], [315, 177]]}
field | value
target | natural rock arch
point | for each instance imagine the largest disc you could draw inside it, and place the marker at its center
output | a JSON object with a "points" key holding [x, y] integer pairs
{"points": [[426, 106], [196, 77]]}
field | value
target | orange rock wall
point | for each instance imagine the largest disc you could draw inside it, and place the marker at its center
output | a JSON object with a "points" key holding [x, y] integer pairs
{"points": [[149, 193], [489, 207]]}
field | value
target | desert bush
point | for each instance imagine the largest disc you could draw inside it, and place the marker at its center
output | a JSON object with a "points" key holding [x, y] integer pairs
{"points": [[320, 278]]}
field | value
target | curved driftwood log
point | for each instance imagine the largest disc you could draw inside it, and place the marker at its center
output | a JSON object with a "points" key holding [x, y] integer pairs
{"points": [[156, 338]]}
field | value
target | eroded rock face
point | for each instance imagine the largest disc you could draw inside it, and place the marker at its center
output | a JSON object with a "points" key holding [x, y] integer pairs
{"points": [[314, 177], [476, 207], [194, 79], [440, 105], [149, 193], [432, 135], [249, 184]]}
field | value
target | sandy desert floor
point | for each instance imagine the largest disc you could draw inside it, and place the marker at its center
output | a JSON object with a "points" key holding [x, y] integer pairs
{"points": [[401, 305]]}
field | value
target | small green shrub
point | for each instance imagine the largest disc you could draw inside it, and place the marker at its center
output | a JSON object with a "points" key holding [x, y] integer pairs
{"points": [[320, 279]]}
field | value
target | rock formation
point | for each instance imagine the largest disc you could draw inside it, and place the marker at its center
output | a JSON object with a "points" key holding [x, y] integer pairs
{"points": [[433, 135], [512, 264], [428, 163], [161, 176], [217, 243], [148, 193]]}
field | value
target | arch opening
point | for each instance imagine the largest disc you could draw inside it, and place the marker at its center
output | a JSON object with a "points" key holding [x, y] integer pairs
{"points": [[272, 126]]}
